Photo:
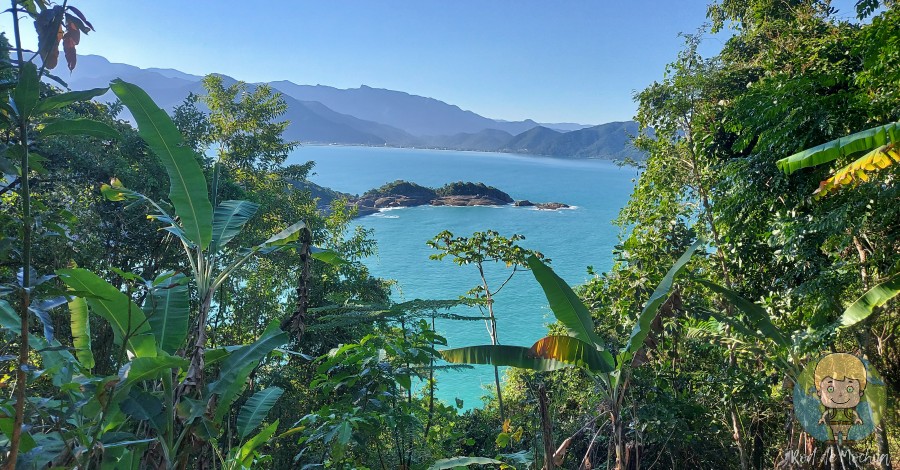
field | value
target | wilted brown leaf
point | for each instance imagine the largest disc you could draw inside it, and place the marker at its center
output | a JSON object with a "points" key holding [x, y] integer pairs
{"points": [[52, 59], [74, 32], [69, 48]]}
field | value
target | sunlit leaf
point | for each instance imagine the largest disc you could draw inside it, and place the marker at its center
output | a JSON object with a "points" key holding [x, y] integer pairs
{"points": [[288, 235], [574, 351], [877, 159], [847, 146], [502, 355], [248, 450], [81, 331], [126, 318], [865, 305]]}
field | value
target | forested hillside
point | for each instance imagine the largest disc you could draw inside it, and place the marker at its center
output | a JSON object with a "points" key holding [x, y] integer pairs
{"points": [[171, 298]]}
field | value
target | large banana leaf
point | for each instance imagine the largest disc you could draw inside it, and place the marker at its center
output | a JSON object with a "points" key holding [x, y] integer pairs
{"points": [[455, 462], [188, 191], [64, 99], [247, 452], [757, 317], [27, 92], [80, 126], [877, 159], [574, 351], [256, 409], [564, 303], [231, 390], [126, 318], [81, 332], [847, 146], [501, 355], [875, 297], [327, 256], [252, 353], [229, 218], [149, 368], [282, 238], [660, 294], [168, 312]]}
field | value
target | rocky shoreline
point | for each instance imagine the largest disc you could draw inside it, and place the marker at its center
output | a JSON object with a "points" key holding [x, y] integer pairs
{"points": [[406, 194]]}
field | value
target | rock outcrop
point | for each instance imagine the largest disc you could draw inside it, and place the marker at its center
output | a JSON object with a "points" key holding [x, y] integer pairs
{"points": [[407, 194], [551, 206]]}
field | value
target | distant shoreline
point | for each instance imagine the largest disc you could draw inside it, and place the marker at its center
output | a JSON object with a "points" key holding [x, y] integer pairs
{"points": [[528, 155]]}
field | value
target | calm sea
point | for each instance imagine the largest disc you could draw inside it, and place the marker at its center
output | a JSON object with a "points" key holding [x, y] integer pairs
{"points": [[574, 239]]}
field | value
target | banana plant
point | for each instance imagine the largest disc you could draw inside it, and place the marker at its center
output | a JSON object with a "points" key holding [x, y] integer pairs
{"points": [[878, 147], [756, 322], [157, 343], [581, 347], [203, 232]]}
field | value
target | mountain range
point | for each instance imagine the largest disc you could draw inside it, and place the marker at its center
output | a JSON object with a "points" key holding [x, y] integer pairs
{"points": [[379, 117]]}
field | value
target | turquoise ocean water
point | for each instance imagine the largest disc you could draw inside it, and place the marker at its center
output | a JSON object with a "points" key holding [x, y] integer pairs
{"points": [[573, 239]]}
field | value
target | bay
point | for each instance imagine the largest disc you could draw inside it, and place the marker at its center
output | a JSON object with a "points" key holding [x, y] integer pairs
{"points": [[573, 238]]}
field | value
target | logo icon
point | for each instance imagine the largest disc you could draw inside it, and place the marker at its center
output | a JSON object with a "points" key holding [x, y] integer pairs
{"points": [[839, 398]]}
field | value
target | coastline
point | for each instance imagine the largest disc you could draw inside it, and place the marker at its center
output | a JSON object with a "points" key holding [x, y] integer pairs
{"points": [[485, 152]]}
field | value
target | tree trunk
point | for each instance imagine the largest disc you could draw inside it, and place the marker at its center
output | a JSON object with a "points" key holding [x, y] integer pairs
{"points": [[864, 337], [194, 379], [546, 428], [25, 194], [492, 329], [619, 440], [884, 450], [296, 323]]}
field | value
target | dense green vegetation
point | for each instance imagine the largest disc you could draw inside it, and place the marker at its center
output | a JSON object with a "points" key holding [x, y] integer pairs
{"points": [[171, 298]]}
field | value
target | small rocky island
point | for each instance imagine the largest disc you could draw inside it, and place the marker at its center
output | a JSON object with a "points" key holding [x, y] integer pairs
{"points": [[407, 194]]}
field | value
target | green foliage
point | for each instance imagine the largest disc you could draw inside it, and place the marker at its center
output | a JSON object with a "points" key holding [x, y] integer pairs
{"points": [[129, 324], [875, 297], [565, 304], [878, 145], [187, 187], [169, 353], [168, 311], [590, 355], [372, 410], [461, 188], [256, 409], [406, 188], [849, 146], [456, 462]]}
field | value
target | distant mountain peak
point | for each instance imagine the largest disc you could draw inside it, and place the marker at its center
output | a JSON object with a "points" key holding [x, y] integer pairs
{"points": [[377, 116]]}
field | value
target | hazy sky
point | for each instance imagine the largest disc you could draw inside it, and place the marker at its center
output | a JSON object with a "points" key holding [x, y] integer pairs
{"points": [[552, 61]]}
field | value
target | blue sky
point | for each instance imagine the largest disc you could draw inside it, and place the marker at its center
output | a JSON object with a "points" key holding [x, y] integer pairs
{"points": [[552, 61]]}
